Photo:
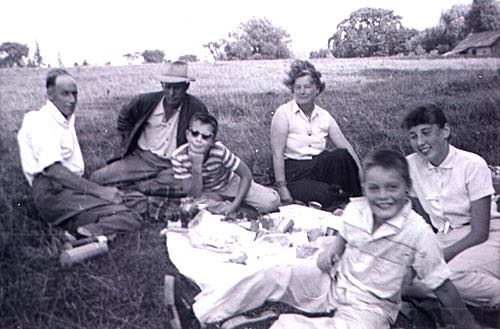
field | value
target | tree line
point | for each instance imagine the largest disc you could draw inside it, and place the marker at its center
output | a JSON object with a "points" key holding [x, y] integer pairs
{"points": [[366, 32]]}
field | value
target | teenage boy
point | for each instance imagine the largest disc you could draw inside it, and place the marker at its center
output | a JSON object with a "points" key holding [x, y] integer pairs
{"points": [[453, 189], [360, 275], [205, 165]]}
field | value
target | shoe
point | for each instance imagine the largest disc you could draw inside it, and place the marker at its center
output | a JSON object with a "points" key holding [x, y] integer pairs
{"points": [[68, 237], [240, 321], [174, 320], [84, 232]]}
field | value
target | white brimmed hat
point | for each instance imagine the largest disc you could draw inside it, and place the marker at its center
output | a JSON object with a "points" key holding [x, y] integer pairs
{"points": [[176, 72]]}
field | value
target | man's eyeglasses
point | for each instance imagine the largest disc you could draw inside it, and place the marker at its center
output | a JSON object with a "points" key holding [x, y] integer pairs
{"points": [[196, 133]]}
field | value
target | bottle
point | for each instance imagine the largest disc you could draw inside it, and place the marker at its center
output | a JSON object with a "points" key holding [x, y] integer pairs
{"points": [[188, 211], [86, 251]]}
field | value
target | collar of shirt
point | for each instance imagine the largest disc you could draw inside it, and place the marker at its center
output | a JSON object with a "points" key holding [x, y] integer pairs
{"points": [[447, 162], [297, 110], [365, 219], [161, 111], [57, 115]]}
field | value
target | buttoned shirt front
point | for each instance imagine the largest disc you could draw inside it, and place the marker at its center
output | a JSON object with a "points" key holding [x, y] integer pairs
{"points": [[446, 191], [306, 136], [159, 135], [377, 263], [47, 137]]}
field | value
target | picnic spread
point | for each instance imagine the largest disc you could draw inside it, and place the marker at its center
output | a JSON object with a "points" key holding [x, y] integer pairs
{"points": [[216, 252]]}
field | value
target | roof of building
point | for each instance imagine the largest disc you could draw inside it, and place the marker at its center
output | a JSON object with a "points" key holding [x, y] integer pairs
{"points": [[476, 40]]}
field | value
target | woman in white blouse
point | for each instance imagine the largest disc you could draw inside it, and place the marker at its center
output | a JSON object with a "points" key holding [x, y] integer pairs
{"points": [[304, 170]]}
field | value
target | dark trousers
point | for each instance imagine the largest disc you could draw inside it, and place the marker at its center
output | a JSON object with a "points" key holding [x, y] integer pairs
{"points": [[142, 171], [329, 178], [70, 208]]}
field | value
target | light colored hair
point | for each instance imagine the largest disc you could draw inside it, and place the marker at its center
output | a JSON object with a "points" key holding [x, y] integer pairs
{"points": [[388, 159], [300, 68]]}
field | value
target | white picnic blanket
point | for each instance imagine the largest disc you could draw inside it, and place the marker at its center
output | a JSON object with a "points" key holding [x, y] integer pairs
{"points": [[216, 254]]}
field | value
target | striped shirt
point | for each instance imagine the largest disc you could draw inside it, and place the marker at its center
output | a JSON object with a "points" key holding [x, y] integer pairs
{"points": [[218, 166]]}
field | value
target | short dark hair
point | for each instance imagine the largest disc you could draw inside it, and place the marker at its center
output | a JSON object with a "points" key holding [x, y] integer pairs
{"points": [[424, 114], [388, 159], [206, 118], [300, 68], [52, 76]]}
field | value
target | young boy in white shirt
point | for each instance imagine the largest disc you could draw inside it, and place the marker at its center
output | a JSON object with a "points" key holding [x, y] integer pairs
{"points": [[360, 274], [206, 166], [453, 189]]}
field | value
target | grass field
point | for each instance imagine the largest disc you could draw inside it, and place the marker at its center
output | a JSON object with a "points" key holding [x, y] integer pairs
{"points": [[368, 98]]}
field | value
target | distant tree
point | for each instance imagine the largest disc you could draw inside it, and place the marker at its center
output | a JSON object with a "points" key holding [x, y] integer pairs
{"points": [[484, 15], [13, 54], [131, 58], [433, 39], [153, 56], [188, 58], [322, 53], [256, 39], [37, 56], [85, 63], [452, 21], [59, 60], [443, 37], [370, 32], [214, 48]]}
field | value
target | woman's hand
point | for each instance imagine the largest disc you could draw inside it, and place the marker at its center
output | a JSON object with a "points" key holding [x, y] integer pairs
{"points": [[285, 196]]}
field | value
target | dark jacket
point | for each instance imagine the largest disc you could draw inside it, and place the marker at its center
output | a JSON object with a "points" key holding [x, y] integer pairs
{"points": [[133, 116]]}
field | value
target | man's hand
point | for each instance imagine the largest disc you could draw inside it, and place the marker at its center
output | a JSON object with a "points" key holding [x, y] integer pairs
{"points": [[111, 194]]}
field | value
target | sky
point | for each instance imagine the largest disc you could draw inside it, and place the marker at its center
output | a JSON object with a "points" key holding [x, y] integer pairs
{"points": [[101, 31]]}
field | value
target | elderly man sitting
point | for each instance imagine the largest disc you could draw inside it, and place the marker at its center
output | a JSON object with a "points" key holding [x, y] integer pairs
{"points": [[53, 165]]}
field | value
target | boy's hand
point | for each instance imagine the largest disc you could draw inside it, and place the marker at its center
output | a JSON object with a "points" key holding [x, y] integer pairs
{"points": [[221, 208], [326, 260], [196, 158], [226, 208]]}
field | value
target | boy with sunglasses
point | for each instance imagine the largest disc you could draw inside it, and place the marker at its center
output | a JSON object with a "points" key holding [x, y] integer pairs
{"points": [[206, 166]]}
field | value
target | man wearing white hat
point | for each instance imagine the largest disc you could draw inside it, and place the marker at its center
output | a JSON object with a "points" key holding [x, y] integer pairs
{"points": [[152, 126]]}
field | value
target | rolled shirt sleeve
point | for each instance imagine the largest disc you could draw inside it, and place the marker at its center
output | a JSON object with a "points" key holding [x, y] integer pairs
{"points": [[429, 264]]}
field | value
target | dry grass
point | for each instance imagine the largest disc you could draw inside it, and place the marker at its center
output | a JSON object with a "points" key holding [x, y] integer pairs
{"points": [[122, 289]]}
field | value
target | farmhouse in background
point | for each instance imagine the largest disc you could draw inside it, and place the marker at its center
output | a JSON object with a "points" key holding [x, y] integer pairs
{"points": [[478, 44]]}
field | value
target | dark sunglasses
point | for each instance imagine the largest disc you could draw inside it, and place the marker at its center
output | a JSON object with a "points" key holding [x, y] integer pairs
{"points": [[196, 133]]}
